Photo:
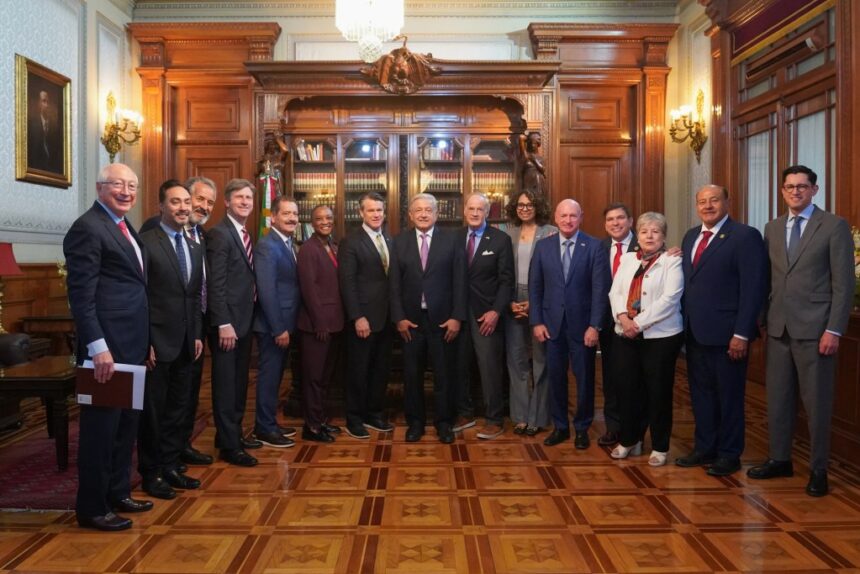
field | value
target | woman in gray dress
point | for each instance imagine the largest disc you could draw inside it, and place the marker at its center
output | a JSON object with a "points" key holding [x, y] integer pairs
{"points": [[529, 216]]}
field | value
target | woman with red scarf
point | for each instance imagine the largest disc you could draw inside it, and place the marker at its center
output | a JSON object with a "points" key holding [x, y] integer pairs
{"points": [[646, 304]]}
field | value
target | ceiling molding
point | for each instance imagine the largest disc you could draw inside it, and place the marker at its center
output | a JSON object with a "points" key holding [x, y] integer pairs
{"points": [[127, 6]]}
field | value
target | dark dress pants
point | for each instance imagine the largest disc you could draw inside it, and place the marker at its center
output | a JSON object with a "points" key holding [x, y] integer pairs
{"points": [[271, 362], [647, 368], [429, 338], [369, 362], [561, 351], [194, 390], [165, 405], [229, 389], [610, 381], [319, 359], [104, 458], [717, 388]]}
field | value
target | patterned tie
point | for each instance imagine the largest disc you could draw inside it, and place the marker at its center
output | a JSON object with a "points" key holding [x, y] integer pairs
{"points": [[180, 255], [565, 259], [290, 248], [194, 233], [794, 240], [617, 261], [470, 248], [124, 228], [703, 244], [425, 250], [382, 255], [246, 239]]}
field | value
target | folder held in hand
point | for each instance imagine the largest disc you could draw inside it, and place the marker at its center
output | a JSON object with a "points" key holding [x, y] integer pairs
{"points": [[124, 390]]}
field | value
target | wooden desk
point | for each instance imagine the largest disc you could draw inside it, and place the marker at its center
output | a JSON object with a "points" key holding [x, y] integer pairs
{"points": [[49, 325], [53, 379]]}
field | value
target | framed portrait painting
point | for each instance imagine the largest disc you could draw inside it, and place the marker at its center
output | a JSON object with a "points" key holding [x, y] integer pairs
{"points": [[43, 124]]}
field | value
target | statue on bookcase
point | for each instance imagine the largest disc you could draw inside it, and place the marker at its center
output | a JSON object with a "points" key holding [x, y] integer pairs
{"points": [[269, 170], [401, 71], [531, 167]]}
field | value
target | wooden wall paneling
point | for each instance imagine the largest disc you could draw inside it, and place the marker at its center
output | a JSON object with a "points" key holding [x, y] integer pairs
{"points": [[596, 175], [39, 291], [220, 163], [155, 150], [651, 149]]}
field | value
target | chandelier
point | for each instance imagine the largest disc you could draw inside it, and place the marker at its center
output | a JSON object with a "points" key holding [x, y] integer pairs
{"points": [[370, 23]]}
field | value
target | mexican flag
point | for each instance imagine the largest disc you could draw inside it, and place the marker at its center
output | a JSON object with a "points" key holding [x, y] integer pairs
{"points": [[268, 186]]}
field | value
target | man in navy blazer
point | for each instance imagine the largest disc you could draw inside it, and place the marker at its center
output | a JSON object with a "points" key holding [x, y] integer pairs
{"points": [[725, 270], [568, 289], [175, 274], [278, 297], [107, 296], [428, 303], [490, 262], [231, 291]]}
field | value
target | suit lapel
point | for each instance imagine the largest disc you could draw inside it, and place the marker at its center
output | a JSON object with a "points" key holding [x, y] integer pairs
{"points": [[717, 241], [811, 228], [169, 252], [231, 229], [370, 247], [126, 247], [779, 243], [578, 254]]}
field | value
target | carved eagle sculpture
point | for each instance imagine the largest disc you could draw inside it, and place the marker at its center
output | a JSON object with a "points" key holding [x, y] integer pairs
{"points": [[401, 71]]}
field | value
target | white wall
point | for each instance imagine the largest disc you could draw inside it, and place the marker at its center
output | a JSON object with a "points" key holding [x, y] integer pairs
{"points": [[85, 41]]}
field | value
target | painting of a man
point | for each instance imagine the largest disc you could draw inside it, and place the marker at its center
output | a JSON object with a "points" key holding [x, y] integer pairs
{"points": [[44, 126]]}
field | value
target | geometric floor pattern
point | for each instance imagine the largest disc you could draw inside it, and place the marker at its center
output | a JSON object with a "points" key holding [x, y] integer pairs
{"points": [[508, 505]]}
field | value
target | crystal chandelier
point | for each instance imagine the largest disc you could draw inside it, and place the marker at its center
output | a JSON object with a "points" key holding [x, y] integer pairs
{"points": [[370, 23]]}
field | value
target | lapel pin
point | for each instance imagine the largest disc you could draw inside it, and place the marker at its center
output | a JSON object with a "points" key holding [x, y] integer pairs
{"points": [[722, 235]]}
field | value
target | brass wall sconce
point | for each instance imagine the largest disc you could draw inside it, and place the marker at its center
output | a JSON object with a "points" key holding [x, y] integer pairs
{"points": [[121, 128], [689, 127]]}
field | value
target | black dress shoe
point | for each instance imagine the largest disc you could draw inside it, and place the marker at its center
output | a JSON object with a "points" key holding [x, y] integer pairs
{"points": [[817, 483], [181, 467], [110, 522], [414, 433], [609, 438], [378, 425], [316, 436], [694, 459], [157, 488], [275, 440], [178, 480], [330, 429], [771, 469], [288, 432], [193, 456], [581, 440], [445, 434], [532, 431], [556, 437], [357, 432], [238, 457], [249, 443], [130, 505], [724, 466]]}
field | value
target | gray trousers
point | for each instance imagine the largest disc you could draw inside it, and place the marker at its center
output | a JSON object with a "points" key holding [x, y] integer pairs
{"points": [[792, 365], [527, 370], [489, 355]]}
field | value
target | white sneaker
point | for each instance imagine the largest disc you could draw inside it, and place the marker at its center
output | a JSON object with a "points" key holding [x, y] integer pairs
{"points": [[620, 452], [657, 458]]}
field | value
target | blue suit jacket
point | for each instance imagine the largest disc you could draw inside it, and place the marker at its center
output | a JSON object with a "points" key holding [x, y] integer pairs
{"points": [[724, 294], [582, 299], [107, 289], [278, 293]]}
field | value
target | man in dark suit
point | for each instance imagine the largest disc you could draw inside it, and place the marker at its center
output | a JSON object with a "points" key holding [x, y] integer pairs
{"points": [[175, 273], [428, 302], [811, 295], [490, 262], [320, 322], [107, 295], [724, 284], [363, 264], [231, 292], [279, 297], [618, 222], [569, 283], [45, 135]]}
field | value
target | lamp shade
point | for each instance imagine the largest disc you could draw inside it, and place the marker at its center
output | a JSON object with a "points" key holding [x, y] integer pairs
{"points": [[8, 265]]}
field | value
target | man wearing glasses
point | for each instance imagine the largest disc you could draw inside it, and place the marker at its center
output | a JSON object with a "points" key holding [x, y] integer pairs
{"points": [[811, 292]]}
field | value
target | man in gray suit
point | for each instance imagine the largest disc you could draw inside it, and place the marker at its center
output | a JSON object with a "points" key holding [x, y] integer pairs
{"points": [[811, 292]]}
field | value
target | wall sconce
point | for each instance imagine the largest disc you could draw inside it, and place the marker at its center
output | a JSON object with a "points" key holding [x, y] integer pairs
{"points": [[121, 127], [689, 128]]}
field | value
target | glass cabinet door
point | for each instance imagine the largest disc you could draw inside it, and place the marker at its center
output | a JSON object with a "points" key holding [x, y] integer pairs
{"points": [[440, 172], [365, 170], [314, 178], [493, 174]]}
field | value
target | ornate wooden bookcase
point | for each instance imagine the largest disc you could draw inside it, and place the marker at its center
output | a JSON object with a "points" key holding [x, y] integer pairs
{"points": [[344, 135]]}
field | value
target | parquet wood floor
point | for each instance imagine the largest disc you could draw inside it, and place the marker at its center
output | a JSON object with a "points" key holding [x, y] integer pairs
{"points": [[508, 505]]}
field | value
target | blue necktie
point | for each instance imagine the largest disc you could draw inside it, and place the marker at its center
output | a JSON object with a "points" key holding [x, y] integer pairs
{"points": [[794, 240], [565, 258], [180, 255]]}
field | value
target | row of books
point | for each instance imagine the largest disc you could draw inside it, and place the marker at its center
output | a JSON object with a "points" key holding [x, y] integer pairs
{"points": [[315, 182], [307, 206], [363, 181], [441, 181], [313, 152], [493, 182], [448, 153]]}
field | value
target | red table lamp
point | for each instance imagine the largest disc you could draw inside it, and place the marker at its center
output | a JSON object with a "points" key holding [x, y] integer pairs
{"points": [[8, 266]]}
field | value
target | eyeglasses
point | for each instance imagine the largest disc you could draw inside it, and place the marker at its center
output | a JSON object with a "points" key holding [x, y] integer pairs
{"points": [[525, 206], [800, 187], [119, 184]]}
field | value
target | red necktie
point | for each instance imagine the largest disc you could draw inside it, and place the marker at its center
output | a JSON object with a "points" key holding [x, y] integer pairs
{"points": [[470, 248], [246, 239], [124, 228], [617, 260], [703, 244]]}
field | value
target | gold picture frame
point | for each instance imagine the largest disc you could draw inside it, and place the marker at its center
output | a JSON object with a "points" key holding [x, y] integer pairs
{"points": [[43, 124]]}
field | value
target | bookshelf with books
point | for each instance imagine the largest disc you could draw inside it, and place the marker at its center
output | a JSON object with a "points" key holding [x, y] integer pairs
{"points": [[366, 169], [440, 171], [313, 178]]}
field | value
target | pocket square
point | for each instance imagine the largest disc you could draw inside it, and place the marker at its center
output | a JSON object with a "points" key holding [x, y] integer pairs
{"points": [[488, 253]]}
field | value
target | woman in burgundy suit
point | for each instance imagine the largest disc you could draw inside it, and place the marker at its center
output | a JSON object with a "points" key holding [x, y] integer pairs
{"points": [[320, 322]]}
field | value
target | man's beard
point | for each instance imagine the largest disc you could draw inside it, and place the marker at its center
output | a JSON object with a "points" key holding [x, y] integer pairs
{"points": [[198, 219]]}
